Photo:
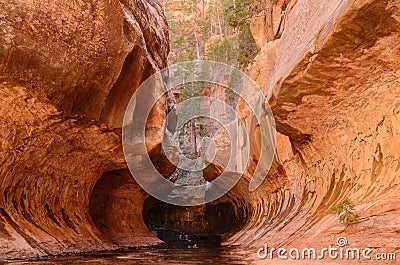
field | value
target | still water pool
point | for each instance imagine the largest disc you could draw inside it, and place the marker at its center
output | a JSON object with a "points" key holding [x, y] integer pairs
{"points": [[156, 256], [161, 256]]}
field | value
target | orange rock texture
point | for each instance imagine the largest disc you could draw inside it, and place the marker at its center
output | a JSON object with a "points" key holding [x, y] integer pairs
{"points": [[67, 71], [333, 84]]}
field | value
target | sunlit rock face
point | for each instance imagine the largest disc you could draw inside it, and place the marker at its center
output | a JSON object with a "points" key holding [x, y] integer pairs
{"points": [[83, 57], [333, 83], [67, 72]]}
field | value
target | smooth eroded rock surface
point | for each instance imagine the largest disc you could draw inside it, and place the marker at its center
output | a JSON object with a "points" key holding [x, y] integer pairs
{"points": [[334, 90], [67, 72], [333, 83]]}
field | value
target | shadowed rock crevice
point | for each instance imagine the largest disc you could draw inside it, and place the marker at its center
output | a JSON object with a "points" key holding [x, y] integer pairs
{"points": [[116, 208], [146, 50]]}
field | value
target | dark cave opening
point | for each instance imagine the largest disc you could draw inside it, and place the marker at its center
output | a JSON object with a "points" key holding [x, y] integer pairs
{"points": [[115, 208], [195, 226], [125, 215]]}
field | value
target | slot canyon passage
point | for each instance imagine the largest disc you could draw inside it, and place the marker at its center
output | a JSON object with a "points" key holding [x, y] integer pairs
{"points": [[68, 70]]}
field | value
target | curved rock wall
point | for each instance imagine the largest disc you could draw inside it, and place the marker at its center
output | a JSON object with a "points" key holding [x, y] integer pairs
{"points": [[333, 83], [67, 71]]}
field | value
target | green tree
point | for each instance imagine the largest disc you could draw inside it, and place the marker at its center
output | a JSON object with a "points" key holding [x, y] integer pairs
{"points": [[238, 15], [218, 30], [345, 211]]}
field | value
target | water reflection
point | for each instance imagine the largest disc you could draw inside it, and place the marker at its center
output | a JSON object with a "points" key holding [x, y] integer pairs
{"points": [[157, 256]]}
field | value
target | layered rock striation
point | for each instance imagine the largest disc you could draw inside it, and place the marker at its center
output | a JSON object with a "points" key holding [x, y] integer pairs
{"points": [[332, 80], [68, 70]]}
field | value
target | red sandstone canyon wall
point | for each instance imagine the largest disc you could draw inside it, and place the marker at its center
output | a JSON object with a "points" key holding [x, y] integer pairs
{"points": [[68, 70]]}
